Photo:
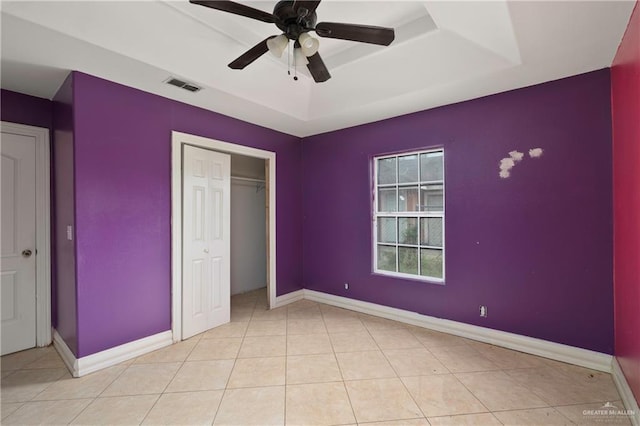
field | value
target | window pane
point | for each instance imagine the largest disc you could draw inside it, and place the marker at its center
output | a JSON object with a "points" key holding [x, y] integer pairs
{"points": [[408, 168], [408, 230], [386, 171], [431, 263], [387, 230], [387, 199], [387, 258], [409, 215], [431, 166], [408, 199], [431, 231], [408, 260], [431, 198]]}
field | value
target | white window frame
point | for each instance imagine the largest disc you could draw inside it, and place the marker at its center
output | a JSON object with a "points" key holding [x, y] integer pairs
{"points": [[398, 214]]}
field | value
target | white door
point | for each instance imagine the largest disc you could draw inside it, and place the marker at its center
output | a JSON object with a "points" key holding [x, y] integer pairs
{"points": [[18, 284], [206, 280]]}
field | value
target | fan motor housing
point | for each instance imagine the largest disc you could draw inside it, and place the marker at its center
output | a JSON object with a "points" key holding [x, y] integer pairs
{"points": [[289, 22]]}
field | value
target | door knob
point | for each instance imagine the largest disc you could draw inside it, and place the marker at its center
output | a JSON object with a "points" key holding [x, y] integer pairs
{"points": [[26, 253], [206, 250]]}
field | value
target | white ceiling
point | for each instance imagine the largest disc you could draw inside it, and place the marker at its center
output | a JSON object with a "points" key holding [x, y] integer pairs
{"points": [[444, 52]]}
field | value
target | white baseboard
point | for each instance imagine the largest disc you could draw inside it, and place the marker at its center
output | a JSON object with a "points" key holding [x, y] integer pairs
{"points": [[625, 392], [285, 299], [65, 353], [557, 351], [107, 358], [577, 356]]}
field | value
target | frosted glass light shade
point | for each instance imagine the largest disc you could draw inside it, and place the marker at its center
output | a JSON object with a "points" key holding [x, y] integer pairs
{"points": [[299, 57], [277, 45], [308, 44]]}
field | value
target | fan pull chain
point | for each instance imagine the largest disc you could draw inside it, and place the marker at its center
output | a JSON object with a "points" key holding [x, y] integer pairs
{"points": [[295, 67], [288, 58]]}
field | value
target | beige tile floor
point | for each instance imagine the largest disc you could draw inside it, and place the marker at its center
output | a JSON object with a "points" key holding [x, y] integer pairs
{"points": [[309, 364]]}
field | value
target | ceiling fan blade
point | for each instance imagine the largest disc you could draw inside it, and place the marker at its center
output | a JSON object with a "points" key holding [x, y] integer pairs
{"points": [[310, 6], [354, 32], [250, 55], [318, 69], [237, 8]]}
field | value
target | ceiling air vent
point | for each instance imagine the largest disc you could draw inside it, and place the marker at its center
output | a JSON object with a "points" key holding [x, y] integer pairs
{"points": [[191, 87], [183, 84]]}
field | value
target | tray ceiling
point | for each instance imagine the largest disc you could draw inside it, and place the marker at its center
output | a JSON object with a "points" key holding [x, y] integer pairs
{"points": [[444, 52]]}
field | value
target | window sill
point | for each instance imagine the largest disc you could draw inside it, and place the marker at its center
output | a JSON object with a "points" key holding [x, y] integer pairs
{"points": [[408, 277]]}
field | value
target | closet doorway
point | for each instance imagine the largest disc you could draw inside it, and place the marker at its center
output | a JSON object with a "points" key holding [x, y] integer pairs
{"points": [[246, 179], [248, 224]]}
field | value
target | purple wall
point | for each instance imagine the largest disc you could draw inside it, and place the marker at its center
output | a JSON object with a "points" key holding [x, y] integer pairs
{"points": [[64, 313], [25, 109], [535, 248], [123, 206]]}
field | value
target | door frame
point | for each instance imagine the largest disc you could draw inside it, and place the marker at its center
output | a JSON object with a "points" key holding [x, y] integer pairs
{"points": [[43, 226], [177, 140]]}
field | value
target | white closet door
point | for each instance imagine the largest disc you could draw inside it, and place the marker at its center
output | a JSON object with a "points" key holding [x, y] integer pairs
{"points": [[206, 282]]}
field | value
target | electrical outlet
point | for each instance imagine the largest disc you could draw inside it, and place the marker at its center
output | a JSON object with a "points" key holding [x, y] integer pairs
{"points": [[346, 286], [483, 311]]}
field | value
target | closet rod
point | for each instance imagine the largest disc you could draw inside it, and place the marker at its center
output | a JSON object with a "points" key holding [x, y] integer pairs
{"points": [[248, 179]]}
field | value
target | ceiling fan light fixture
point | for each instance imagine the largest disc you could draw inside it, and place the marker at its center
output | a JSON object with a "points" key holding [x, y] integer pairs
{"points": [[308, 44], [299, 58], [295, 18], [277, 45]]}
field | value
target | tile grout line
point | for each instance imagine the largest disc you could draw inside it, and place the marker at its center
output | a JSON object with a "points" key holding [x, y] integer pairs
{"points": [[224, 390], [33, 399], [344, 384], [286, 359], [117, 376], [14, 411], [451, 373], [172, 378], [455, 375], [396, 372], [474, 395], [566, 376]]}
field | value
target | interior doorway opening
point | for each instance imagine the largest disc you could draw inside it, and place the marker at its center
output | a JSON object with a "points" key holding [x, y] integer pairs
{"points": [[26, 239], [268, 159], [248, 224]]}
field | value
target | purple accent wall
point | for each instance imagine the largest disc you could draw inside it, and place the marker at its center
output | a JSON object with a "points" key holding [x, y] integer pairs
{"points": [[64, 313], [25, 109], [536, 248], [123, 206]]}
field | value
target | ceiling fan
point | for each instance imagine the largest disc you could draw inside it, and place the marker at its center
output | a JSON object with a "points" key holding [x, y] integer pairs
{"points": [[296, 18]]}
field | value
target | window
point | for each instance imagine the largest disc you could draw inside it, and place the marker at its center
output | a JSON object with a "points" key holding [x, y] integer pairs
{"points": [[409, 215]]}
